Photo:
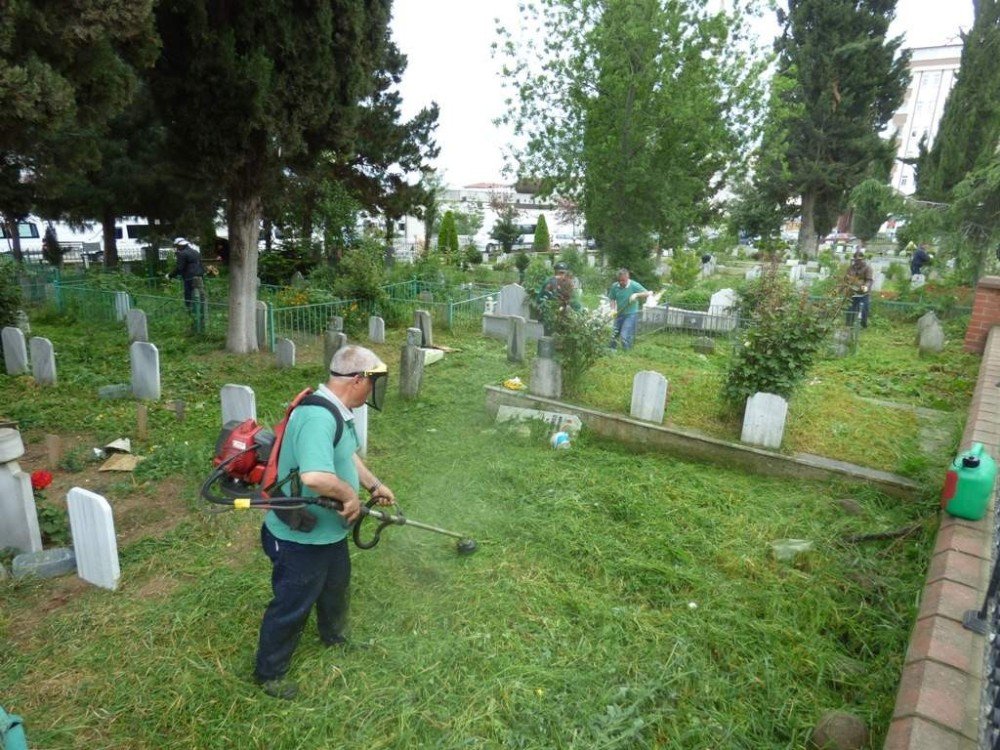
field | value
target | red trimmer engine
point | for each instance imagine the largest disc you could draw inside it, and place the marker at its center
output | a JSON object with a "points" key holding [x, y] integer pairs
{"points": [[249, 446]]}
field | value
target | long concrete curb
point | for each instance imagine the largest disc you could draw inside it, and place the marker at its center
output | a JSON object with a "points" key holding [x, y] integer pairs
{"points": [[697, 447]]}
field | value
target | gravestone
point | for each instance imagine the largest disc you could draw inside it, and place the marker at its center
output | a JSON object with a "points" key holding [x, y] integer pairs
{"points": [[843, 341], [361, 428], [123, 304], [376, 330], [18, 515], [931, 338], [490, 306], [649, 396], [137, 328], [284, 353], [878, 280], [422, 320], [21, 322], [260, 319], [516, 339], [513, 301], [927, 319], [333, 339], [723, 301], [411, 365], [93, 527], [703, 345], [568, 422], [425, 296], [546, 372], [752, 273], [917, 280], [43, 361], [15, 351], [238, 403], [764, 420], [298, 280], [145, 361]]}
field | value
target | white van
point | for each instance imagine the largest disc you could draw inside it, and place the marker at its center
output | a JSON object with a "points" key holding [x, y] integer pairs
{"points": [[31, 231]]}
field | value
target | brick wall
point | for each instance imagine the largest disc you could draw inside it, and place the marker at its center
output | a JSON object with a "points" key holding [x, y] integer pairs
{"points": [[985, 314]]}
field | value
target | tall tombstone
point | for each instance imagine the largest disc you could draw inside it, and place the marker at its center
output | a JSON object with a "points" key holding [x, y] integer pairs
{"points": [[546, 372], [93, 527], [238, 403], [931, 338], [123, 303], [333, 339], [43, 361], [137, 329], [15, 351], [260, 318], [284, 353], [917, 280], [929, 318], [649, 396], [411, 365], [376, 329], [764, 420], [423, 321], [18, 515], [361, 428], [513, 301], [516, 338], [145, 360]]}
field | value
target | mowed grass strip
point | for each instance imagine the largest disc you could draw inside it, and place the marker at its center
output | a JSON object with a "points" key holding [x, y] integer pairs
{"points": [[618, 599]]}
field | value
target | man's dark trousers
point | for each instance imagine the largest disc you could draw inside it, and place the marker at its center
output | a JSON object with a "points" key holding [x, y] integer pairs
{"points": [[303, 575]]}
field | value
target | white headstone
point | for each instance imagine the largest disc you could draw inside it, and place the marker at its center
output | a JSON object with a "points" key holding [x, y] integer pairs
{"points": [[723, 301], [513, 301], [649, 396], [43, 361], [123, 304], [145, 361], [238, 403], [284, 352], [18, 517], [422, 320], [932, 338], [260, 318], [15, 351], [137, 328], [917, 280], [516, 341], [93, 527], [878, 280], [490, 306], [764, 420], [361, 428], [376, 330], [753, 272]]}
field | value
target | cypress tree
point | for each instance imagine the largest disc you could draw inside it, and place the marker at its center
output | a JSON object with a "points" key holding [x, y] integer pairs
{"points": [[542, 243], [848, 79], [969, 128], [448, 236]]}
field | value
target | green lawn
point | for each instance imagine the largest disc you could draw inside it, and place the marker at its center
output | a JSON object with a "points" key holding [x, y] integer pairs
{"points": [[619, 599]]}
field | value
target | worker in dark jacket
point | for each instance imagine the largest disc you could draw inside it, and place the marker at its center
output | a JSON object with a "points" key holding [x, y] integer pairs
{"points": [[920, 259], [859, 284], [189, 269]]}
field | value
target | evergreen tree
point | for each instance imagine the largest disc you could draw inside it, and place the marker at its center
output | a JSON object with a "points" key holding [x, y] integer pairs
{"points": [[871, 203], [448, 236], [970, 125], [849, 79], [505, 229], [251, 89], [542, 243], [638, 113]]}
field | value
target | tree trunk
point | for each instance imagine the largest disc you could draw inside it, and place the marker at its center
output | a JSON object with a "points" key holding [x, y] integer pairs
{"points": [[110, 241], [808, 239], [10, 224], [244, 214]]}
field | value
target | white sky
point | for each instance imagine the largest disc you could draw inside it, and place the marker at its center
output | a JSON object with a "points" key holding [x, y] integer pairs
{"points": [[447, 43]]}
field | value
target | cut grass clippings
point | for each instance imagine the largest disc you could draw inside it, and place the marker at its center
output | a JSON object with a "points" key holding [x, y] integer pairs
{"points": [[619, 598]]}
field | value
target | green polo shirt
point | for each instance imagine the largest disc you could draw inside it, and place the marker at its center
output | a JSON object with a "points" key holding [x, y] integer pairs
{"points": [[620, 294], [308, 445]]}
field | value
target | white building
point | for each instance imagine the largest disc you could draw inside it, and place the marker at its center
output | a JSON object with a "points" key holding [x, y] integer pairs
{"points": [[933, 71]]}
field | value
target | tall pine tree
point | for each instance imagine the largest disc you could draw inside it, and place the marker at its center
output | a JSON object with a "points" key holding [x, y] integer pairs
{"points": [[849, 78]]}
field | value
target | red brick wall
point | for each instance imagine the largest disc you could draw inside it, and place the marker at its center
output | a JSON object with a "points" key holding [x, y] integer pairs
{"points": [[985, 314]]}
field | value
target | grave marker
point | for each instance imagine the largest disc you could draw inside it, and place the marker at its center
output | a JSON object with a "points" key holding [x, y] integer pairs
{"points": [[137, 327], [123, 303], [515, 339], [260, 318], [238, 403], [764, 420], [43, 361], [411, 365], [93, 527], [649, 396], [546, 373], [284, 353], [18, 515], [376, 330], [145, 361], [15, 351], [423, 321]]}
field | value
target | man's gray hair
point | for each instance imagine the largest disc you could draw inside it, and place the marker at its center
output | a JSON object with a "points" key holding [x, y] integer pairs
{"points": [[623, 271], [354, 359]]}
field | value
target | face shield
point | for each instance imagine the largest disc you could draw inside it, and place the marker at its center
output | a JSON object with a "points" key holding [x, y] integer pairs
{"points": [[379, 377]]}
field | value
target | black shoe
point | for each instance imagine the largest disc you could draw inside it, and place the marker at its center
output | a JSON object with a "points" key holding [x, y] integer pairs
{"points": [[281, 688], [346, 645]]}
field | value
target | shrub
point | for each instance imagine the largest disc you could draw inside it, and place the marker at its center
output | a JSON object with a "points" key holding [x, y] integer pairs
{"points": [[581, 339], [785, 331], [684, 268], [10, 292], [541, 242]]}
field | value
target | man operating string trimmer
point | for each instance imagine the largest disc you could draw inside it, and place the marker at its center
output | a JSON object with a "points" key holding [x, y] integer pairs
{"points": [[308, 547]]}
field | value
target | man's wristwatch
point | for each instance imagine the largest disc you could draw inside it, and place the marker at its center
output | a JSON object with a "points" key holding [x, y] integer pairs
{"points": [[371, 490]]}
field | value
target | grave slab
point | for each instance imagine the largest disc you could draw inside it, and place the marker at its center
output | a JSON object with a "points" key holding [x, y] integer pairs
{"points": [[93, 526], [764, 420], [15, 351]]}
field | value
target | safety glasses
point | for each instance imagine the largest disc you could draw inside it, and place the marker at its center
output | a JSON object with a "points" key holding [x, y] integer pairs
{"points": [[380, 380]]}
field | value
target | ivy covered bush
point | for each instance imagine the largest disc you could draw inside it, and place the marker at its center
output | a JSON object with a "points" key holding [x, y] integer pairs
{"points": [[783, 334], [10, 292]]}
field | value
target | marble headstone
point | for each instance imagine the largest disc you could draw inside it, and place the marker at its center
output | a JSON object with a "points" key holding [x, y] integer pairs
{"points": [[260, 318], [764, 420], [649, 396], [18, 516], [43, 361], [516, 340], [15, 351], [93, 527], [137, 327], [284, 352], [422, 320], [145, 361], [376, 330], [238, 403]]}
